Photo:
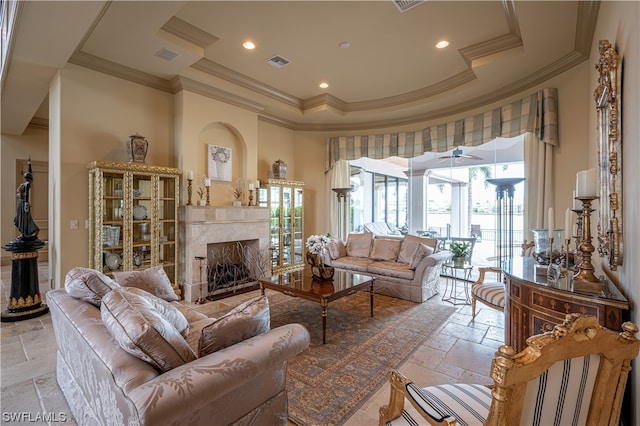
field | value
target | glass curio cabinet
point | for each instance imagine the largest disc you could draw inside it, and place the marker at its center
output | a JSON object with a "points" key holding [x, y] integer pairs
{"points": [[133, 214], [284, 199]]}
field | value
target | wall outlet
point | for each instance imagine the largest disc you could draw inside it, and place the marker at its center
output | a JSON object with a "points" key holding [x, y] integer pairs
{"points": [[74, 224]]}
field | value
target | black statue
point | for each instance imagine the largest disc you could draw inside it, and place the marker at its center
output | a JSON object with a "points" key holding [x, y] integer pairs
{"points": [[23, 220]]}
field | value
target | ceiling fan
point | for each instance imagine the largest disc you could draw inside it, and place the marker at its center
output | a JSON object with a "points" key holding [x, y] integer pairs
{"points": [[457, 153]]}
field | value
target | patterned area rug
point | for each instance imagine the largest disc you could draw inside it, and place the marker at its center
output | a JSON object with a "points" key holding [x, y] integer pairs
{"points": [[328, 383]]}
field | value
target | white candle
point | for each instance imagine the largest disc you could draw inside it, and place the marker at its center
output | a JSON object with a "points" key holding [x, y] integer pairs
{"points": [[587, 183], [251, 187], [207, 182], [551, 224], [190, 175], [567, 224], [575, 202], [257, 183]]}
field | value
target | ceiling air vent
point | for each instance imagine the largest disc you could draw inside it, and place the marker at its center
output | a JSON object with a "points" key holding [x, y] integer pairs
{"points": [[278, 61], [404, 5], [166, 54]]}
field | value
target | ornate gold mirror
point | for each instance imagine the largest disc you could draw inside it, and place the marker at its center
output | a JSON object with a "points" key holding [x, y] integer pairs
{"points": [[607, 97]]}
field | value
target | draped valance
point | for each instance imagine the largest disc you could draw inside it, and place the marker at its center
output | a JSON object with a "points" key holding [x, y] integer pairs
{"points": [[536, 113]]}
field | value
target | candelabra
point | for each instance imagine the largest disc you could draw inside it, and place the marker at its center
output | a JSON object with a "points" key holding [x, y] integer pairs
{"points": [[578, 239], [567, 241], [585, 279], [201, 299], [251, 197], [189, 191]]}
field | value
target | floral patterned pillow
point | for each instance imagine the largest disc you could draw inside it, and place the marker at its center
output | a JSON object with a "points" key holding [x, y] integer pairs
{"points": [[143, 332], [88, 285], [246, 320], [154, 280]]}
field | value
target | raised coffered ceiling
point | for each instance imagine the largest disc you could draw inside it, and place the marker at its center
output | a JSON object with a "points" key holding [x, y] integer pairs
{"points": [[391, 74]]}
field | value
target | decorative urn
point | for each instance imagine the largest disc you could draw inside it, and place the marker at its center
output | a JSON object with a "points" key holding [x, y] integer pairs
{"points": [[279, 169], [137, 148]]}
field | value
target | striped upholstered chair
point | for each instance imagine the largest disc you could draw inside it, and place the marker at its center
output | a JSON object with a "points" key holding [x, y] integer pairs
{"points": [[490, 293], [573, 375]]}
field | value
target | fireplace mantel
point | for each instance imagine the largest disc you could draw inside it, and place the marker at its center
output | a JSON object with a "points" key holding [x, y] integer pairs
{"points": [[200, 226]]}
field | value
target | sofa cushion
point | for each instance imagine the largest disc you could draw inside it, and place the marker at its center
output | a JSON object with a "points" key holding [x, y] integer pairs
{"points": [[391, 269], [246, 320], [88, 284], [142, 331], [195, 332], [421, 252], [359, 245], [168, 311], [355, 264], [154, 280], [337, 248], [385, 249], [409, 245]]}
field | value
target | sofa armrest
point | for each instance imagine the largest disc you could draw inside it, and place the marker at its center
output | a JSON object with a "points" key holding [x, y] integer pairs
{"points": [[437, 258], [211, 377]]}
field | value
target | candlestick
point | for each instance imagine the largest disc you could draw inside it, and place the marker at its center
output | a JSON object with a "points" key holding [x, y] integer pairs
{"points": [[585, 279], [189, 191], [550, 222], [251, 195], [208, 195], [577, 236], [567, 224]]}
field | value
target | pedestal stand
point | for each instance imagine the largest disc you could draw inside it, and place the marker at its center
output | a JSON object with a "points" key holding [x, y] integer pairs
{"points": [[25, 301], [505, 188]]}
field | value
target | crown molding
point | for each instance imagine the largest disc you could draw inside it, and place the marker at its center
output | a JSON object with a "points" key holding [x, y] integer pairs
{"points": [[188, 32], [220, 71], [183, 83], [586, 25], [105, 66]]}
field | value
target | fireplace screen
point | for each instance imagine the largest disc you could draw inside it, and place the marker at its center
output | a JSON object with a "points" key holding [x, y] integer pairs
{"points": [[234, 266]]}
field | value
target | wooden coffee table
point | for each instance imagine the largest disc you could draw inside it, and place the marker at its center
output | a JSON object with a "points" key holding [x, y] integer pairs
{"points": [[301, 284]]}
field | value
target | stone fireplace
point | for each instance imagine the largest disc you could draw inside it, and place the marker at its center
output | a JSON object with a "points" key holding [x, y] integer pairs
{"points": [[217, 241]]}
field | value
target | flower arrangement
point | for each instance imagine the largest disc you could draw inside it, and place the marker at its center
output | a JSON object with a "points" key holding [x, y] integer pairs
{"points": [[317, 243], [220, 154]]}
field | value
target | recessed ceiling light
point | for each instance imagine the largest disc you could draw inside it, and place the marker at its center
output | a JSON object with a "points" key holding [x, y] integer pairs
{"points": [[248, 45], [442, 44], [344, 45], [324, 85]]}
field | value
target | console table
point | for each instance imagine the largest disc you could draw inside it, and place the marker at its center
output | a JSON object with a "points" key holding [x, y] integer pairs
{"points": [[533, 306]]}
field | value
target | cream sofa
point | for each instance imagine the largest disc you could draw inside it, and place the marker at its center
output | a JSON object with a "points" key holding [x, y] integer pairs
{"points": [[241, 384], [407, 268]]}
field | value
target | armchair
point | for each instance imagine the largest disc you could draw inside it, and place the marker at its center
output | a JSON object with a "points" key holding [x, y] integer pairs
{"points": [[490, 293], [574, 374]]}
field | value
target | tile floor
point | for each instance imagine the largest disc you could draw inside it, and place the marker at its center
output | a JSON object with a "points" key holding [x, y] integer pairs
{"points": [[460, 350]]}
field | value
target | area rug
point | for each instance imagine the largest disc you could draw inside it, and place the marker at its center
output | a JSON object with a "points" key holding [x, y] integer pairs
{"points": [[327, 383]]}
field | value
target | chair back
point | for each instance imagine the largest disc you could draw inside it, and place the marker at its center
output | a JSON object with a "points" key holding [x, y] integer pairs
{"points": [[574, 374]]}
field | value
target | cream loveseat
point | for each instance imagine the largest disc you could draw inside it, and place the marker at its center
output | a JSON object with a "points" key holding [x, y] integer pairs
{"points": [[241, 384], [406, 268]]}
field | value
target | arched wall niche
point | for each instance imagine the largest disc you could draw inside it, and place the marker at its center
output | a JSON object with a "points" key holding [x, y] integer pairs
{"points": [[224, 135]]}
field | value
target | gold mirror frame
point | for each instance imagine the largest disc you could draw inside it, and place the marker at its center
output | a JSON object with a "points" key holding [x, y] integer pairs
{"points": [[607, 97]]}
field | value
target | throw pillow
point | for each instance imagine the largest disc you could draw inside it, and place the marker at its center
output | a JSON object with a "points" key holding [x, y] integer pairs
{"points": [[422, 251], [166, 309], [154, 280], [384, 249], [88, 285], [409, 245], [248, 319], [142, 331], [337, 248], [359, 245]]}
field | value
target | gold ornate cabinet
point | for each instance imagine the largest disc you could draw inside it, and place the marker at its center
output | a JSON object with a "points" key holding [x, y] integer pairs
{"points": [[284, 199], [133, 214]]}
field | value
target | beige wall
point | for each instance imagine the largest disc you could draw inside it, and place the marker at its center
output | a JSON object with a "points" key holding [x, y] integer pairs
{"points": [[618, 23]]}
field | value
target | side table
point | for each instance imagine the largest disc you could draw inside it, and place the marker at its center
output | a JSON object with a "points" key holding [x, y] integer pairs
{"points": [[456, 274]]}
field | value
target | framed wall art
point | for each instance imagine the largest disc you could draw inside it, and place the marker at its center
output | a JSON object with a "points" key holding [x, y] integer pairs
{"points": [[219, 158]]}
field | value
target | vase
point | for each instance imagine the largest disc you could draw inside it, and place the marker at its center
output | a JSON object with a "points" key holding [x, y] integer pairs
{"points": [[458, 262], [279, 169], [319, 270], [543, 252], [237, 203], [137, 148]]}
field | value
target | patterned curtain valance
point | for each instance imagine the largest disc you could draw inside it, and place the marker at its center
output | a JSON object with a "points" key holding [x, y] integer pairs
{"points": [[536, 113]]}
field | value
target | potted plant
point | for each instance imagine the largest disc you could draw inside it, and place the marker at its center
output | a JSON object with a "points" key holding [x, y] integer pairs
{"points": [[459, 252]]}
